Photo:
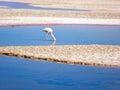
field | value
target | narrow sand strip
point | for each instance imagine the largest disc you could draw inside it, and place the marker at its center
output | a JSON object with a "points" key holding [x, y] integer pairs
{"points": [[53, 20], [94, 55]]}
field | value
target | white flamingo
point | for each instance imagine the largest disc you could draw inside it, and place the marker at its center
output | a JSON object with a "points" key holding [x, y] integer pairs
{"points": [[49, 31]]}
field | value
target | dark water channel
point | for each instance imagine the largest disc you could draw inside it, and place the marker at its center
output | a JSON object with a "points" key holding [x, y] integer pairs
{"points": [[20, 74]]}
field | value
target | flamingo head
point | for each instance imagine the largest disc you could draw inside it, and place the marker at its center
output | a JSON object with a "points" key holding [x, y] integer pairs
{"points": [[48, 30]]}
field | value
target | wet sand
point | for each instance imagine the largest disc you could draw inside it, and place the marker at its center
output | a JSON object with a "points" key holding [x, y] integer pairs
{"points": [[93, 55]]}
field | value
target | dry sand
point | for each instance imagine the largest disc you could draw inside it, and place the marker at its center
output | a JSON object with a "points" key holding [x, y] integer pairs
{"points": [[109, 10], [94, 55], [53, 20]]}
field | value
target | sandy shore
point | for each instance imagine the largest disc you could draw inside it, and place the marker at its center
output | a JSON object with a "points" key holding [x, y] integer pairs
{"points": [[99, 12], [94, 55]]}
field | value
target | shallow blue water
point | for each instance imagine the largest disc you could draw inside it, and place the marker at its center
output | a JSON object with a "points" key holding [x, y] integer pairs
{"points": [[18, 5], [21, 74], [65, 34]]}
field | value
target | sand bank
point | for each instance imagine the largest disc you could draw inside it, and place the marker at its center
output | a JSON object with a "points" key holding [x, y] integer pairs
{"points": [[53, 20], [94, 55]]}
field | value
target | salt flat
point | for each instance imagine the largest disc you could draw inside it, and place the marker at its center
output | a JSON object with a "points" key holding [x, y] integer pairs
{"points": [[94, 55]]}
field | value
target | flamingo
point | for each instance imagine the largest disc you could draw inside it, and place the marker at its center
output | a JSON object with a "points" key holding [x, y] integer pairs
{"points": [[49, 31]]}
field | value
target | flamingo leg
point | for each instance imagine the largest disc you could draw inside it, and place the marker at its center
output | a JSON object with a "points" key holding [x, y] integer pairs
{"points": [[47, 36]]}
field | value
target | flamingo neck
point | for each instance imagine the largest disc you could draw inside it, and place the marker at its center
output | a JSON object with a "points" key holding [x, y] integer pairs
{"points": [[53, 37]]}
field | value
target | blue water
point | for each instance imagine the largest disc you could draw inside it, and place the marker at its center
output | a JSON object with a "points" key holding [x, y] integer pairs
{"points": [[65, 34], [21, 74], [18, 5]]}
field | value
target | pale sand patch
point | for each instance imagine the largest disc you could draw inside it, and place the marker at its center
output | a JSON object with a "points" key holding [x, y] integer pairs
{"points": [[95, 55], [3, 7], [53, 20]]}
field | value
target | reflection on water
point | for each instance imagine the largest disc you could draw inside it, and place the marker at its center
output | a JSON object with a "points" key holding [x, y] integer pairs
{"points": [[19, 74], [65, 34], [50, 42], [53, 43], [19, 5]]}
